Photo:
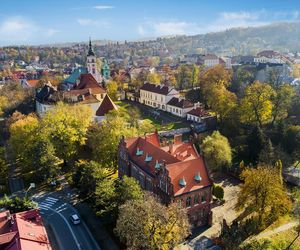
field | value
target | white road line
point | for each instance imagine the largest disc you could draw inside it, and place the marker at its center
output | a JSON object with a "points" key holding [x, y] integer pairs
{"points": [[46, 204], [70, 228], [51, 198]]}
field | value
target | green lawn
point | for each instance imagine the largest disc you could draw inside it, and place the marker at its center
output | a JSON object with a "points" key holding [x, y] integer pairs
{"points": [[157, 122]]}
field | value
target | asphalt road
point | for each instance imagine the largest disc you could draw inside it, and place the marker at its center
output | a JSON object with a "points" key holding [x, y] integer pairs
{"points": [[68, 236]]}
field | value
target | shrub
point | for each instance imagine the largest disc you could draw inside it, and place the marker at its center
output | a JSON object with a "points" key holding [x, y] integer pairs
{"points": [[218, 192]]}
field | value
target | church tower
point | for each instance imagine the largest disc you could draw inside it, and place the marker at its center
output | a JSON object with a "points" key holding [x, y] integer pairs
{"points": [[91, 63]]}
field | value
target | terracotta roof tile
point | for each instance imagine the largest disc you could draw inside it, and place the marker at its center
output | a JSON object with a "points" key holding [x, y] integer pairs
{"points": [[188, 170], [106, 105], [159, 89], [180, 103], [87, 81], [198, 112], [32, 83]]}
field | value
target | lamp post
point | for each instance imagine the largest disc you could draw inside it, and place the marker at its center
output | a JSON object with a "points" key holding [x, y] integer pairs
{"points": [[32, 185]]}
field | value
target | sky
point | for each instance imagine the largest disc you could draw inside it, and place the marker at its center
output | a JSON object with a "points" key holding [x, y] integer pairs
{"points": [[33, 22]]}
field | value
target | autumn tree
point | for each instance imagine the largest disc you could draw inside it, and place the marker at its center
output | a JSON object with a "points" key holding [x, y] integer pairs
{"points": [[263, 194], [281, 100], [67, 127], [3, 104], [147, 224], [256, 106], [154, 78], [217, 151], [112, 90], [183, 76], [109, 134]]}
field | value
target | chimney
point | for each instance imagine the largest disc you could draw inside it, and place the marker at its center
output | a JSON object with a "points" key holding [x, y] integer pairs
{"points": [[170, 147]]}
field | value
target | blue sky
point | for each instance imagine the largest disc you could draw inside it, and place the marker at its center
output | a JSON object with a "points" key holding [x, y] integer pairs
{"points": [[48, 21]]}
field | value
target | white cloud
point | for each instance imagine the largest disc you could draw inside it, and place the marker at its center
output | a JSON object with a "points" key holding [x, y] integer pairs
{"points": [[16, 29], [223, 21], [93, 22], [51, 32], [103, 7]]}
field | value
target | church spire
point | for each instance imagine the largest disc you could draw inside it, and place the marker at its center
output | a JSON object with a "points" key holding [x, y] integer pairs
{"points": [[91, 52]]}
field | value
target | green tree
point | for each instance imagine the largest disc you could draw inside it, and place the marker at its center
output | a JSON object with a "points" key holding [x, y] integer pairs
{"points": [[267, 154], [3, 171], [109, 134], [147, 224], [3, 104], [263, 194], [255, 141], [218, 192], [67, 127], [112, 89], [282, 100], [256, 107], [217, 151]]}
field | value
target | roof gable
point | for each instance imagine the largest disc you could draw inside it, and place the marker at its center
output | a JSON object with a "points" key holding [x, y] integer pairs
{"points": [[106, 105]]}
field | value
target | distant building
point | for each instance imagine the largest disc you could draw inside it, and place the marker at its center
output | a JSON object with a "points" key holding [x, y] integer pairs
{"points": [[157, 96], [172, 170], [209, 60], [179, 106], [23, 231]]}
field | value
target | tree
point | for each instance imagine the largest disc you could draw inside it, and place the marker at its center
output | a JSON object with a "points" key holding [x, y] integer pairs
{"points": [[195, 75], [128, 189], [183, 77], [267, 154], [262, 193], [110, 194], [109, 134], [255, 141], [67, 127], [218, 192], [291, 140], [3, 104], [112, 89], [256, 107], [217, 151], [282, 100], [154, 78], [222, 101], [147, 224], [214, 77], [3, 171]]}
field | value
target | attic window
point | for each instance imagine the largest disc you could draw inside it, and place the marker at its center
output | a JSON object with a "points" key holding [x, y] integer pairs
{"points": [[148, 158], [139, 152], [198, 177], [182, 182], [157, 165]]}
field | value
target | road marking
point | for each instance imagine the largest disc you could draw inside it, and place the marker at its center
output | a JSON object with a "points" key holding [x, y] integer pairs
{"points": [[51, 198], [70, 228], [46, 204]]}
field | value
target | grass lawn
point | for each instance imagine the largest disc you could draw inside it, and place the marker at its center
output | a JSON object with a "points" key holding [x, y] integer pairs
{"points": [[283, 239], [159, 125]]}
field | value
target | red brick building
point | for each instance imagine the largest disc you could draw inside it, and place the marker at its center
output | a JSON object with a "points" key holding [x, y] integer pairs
{"points": [[23, 231], [173, 170]]}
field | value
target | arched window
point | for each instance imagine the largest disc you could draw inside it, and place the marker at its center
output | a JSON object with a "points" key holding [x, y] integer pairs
{"points": [[188, 201], [196, 199]]}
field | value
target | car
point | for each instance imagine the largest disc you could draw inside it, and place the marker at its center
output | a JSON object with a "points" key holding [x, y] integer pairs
{"points": [[75, 219]]}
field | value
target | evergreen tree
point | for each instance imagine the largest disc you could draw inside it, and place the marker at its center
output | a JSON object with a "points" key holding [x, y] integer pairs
{"points": [[255, 143]]}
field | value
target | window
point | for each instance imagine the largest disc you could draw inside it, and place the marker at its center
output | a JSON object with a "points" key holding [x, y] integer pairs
{"points": [[196, 199], [94, 71], [203, 198], [188, 201]]}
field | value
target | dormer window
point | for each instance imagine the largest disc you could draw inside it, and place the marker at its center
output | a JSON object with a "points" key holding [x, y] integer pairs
{"points": [[198, 177], [139, 152], [182, 182], [157, 165], [148, 158]]}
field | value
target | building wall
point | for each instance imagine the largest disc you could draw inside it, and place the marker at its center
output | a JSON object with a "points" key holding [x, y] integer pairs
{"points": [[178, 111], [42, 108]]}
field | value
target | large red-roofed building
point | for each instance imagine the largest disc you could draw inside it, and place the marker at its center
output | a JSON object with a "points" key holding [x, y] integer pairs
{"points": [[172, 170], [23, 231]]}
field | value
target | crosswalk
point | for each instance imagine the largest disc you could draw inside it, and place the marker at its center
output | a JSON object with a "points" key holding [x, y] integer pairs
{"points": [[51, 203]]}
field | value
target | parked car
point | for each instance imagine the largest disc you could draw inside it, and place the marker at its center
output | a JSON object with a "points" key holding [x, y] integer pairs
{"points": [[75, 219]]}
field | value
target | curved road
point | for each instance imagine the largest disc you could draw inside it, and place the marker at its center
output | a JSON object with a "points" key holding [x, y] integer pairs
{"points": [[68, 236]]}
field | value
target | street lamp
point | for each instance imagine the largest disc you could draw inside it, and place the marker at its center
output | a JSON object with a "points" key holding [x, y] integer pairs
{"points": [[32, 185]]}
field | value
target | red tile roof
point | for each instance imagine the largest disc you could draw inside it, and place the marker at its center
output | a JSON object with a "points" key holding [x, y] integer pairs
{"points": [[159, 89], [180, 103], [188, 170], [32, 83], [199, 112], [106, 105], [183, 161], [88, 81], [149, 149], [29, 232]]}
